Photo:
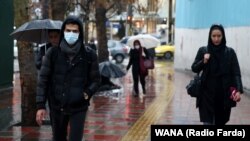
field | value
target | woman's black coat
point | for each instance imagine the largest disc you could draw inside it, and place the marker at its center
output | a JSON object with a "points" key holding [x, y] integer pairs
{"points": [[230, 76], [134, 60]]}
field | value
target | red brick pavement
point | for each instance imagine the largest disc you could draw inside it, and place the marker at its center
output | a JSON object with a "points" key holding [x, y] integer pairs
{"points": [[110, 117]]}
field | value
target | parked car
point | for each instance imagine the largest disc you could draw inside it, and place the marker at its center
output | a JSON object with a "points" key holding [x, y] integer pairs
{"points": [[166, 51], [118, 50], [124, 39]]}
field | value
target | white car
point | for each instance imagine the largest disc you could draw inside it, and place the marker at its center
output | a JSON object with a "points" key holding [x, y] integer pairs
{"points": [[118, 50]]}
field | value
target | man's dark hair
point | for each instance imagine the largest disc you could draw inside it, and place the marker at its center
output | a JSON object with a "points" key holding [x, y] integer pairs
{"points": [[54, 30], [72, 20]]}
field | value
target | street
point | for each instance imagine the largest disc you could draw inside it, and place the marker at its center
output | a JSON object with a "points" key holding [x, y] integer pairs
{"points": [[119, 115]]}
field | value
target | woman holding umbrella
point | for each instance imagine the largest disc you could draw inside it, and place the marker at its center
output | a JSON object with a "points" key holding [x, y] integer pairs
{"points": [[137, 55]]}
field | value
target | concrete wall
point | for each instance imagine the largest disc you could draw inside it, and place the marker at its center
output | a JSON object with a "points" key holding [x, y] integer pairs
{"points": [[193, 20]]}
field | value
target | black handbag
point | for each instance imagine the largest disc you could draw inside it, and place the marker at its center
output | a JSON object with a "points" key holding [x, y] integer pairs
{"points": [[194, 86]]}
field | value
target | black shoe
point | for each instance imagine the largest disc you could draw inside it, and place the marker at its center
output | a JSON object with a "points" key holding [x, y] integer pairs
{"points": [[135, 94]]}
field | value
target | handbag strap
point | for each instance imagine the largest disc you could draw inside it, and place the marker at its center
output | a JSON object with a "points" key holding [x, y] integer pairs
{"points": [[202, 71]]}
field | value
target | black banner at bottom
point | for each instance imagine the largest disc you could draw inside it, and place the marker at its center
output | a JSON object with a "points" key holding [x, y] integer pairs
{"points": [[192, 132]]}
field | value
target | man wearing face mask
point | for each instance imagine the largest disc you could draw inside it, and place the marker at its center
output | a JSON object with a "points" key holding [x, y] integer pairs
{"points": [[68, 78], [136, 59]]}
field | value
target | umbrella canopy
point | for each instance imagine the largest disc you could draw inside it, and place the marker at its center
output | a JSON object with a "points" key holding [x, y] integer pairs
{"points": [[110, 70], [36, 31], [146, 40]]}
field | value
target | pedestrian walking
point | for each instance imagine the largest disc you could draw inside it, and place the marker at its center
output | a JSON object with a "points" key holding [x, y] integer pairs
{"points": [[68, 78], [136, 59], [92, 44], [151, 52], [220, 72], [54, 35]]}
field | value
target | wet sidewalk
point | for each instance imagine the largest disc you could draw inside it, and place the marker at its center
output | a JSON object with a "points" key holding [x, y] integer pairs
{"points": [[119, 116]]}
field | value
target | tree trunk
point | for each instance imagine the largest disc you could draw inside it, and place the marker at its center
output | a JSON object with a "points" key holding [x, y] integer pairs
{"points": [[85, 18], [86, 32], [103, 53], [58, 9], [45, 5], [28, 81], [28, 72]]}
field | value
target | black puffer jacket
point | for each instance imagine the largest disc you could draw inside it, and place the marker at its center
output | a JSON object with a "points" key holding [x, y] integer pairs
{"points": [[63, 82]]}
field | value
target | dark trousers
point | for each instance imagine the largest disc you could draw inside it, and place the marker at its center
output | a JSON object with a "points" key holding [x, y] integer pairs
{"points": [[60, 122], [136, 77]]}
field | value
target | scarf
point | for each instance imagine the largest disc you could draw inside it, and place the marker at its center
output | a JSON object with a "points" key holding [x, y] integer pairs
{"points": [[217, 56], [70, 51], [143, 70]]}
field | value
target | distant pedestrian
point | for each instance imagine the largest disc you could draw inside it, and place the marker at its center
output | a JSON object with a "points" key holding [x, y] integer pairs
{"points": [[92, 44], [151, 53], [54, 35], [221, 72], [137, 55], [68, 78]]}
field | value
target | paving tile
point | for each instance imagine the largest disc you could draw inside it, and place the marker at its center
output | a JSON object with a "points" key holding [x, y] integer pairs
{"points": [[103, 138], [123, 117]]}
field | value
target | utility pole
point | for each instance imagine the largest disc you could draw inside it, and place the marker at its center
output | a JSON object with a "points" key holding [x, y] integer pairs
{"points": [[170, 21]]}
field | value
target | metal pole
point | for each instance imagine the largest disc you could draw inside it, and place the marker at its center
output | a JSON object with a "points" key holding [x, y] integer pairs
{"points": [[170, 21], [111, 30]]}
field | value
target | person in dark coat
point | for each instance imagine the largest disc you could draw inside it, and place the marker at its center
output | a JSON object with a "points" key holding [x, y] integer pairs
{"points": [[68, 79], [151, 52], [54, 35], [137, 56], [220, 71], [92, 44]]}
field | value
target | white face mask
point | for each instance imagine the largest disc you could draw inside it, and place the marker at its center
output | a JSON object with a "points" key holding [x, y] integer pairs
{"points": [[137, 46], [71, 37]]}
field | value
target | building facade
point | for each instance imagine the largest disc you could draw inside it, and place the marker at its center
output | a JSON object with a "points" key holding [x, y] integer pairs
{"points": [[152, 16], [194, 18]]}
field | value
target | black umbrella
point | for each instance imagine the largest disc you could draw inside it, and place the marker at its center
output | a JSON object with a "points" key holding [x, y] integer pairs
{"points": [[110, 70], [36, 31]]}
